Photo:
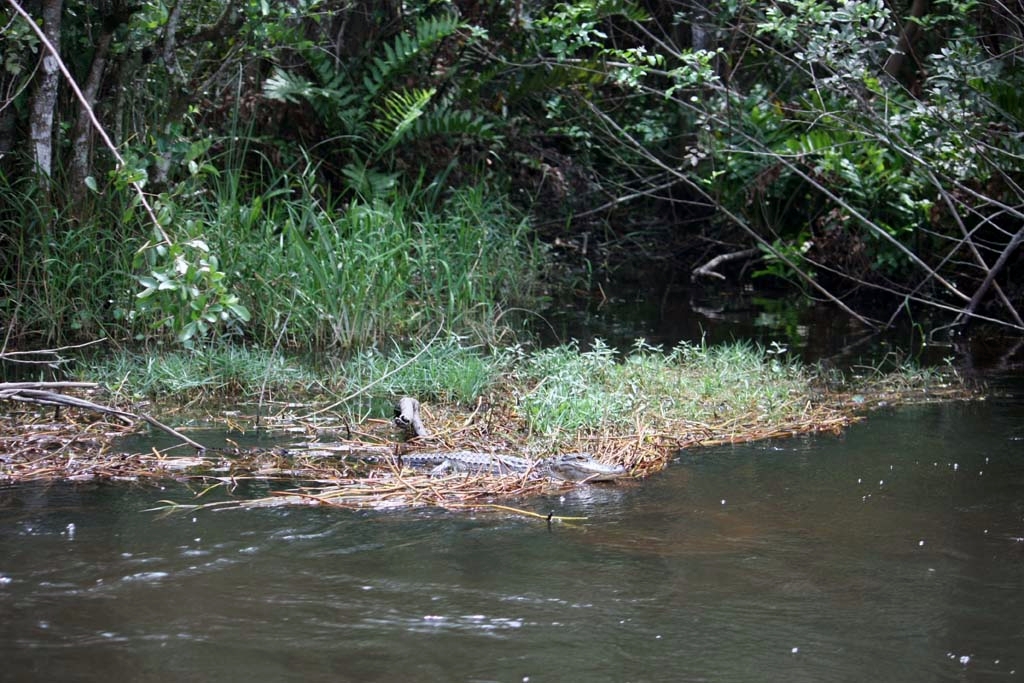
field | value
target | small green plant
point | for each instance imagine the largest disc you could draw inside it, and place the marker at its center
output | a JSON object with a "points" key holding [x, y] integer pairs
{"points": [[185, 291]]}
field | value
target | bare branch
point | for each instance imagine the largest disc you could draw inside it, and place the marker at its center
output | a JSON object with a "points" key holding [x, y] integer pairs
{"points": [[708, 269]]}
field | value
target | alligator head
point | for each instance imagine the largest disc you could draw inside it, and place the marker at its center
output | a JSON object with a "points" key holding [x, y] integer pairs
{"points": [[583, 467]]}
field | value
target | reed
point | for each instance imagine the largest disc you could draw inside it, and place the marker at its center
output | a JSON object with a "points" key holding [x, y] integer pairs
{"points": [[318, 274]]}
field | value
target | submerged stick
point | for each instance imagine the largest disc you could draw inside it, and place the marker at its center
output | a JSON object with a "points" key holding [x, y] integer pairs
{"points": [[173, 432], [526, 513]]}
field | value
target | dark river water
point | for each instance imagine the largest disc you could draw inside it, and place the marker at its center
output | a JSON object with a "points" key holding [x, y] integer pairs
{"points": [[894, 552]]}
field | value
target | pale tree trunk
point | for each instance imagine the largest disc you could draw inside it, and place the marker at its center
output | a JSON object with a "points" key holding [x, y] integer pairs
{"points": [[701, 29], [44, 100]]}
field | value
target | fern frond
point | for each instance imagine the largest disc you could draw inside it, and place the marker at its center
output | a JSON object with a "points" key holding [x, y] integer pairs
{"points": [[332, 104], [398, 111], [452, 122], [443, 122], [288, 87], [326, 69], [403, 48], [366, 182]]}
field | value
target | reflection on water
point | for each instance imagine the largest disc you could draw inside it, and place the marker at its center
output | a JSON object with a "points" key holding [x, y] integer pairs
{"points": [[893, 553]]}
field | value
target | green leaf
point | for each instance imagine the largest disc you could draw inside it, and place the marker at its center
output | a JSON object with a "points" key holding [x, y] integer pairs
{"points": [[188, 331], [240, 312]]}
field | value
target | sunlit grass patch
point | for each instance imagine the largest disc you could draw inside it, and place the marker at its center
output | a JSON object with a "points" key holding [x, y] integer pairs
{"points": [[600, 389]]}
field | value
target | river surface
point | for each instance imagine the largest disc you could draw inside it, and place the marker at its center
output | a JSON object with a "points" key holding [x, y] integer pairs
{"points": [[894, 552]]}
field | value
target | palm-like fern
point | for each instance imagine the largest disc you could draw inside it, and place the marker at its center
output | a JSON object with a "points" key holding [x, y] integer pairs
{"points": [[365, 104], [404, 48], [398, 111]]}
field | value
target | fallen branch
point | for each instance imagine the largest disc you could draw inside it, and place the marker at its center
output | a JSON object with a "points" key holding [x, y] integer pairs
{"points": [[989, 280], [173, 432], [40, 393], [708, 269], [49, 357]]}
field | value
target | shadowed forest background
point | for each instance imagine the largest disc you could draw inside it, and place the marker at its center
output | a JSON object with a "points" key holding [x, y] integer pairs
{"points": [[313, 174]]}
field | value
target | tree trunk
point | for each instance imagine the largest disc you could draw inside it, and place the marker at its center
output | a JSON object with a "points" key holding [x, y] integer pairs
{"points": [[44, 100], [894, 64], [81, 141]]}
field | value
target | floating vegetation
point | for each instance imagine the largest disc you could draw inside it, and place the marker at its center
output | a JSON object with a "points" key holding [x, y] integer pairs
{"points": [[634, 410], [393, 490]]}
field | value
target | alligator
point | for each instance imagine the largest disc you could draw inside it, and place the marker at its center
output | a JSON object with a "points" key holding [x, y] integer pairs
{"points": [[567, 467]]}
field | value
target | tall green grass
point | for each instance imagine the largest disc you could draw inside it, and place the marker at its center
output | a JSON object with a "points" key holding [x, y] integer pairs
{"points": [[315, 272], [323, 275], [443, 370], [60, 280]]}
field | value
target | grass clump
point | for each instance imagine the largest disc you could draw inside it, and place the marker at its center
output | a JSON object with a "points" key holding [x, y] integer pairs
{"points": [[601, 390], [444, 371], [64, 283], [222, 371]]}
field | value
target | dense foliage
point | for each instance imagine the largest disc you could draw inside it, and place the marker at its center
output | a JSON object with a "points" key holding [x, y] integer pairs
{"points": [[318, 172]]}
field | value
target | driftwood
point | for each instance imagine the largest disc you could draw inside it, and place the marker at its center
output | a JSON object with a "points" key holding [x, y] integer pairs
{"points": [[709, 268], [42, 393], [407, 417]]}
